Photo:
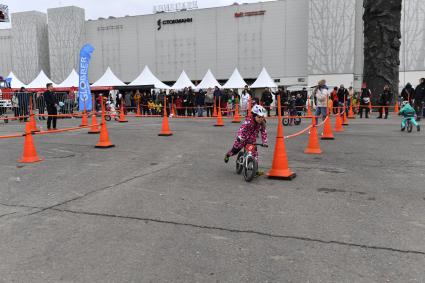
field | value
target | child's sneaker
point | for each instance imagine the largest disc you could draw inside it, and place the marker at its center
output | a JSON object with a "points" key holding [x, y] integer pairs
{"points": [[226, 158], [403, 128], [418, 128]]}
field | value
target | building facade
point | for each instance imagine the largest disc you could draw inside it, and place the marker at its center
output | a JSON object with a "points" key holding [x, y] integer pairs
{"points": [[298, 41]]}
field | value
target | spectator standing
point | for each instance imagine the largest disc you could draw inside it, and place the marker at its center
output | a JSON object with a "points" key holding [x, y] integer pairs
{"points": [[342, 99], [200, 102], [408, 93], [51, 105], [321, 94], [365, 96], [40, 105], [419, 98], [209, 101], [267, 100], [384, 102]]}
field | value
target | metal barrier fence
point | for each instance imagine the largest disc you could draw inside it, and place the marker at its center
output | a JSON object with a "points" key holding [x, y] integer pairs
{"points": [[18, 103]]}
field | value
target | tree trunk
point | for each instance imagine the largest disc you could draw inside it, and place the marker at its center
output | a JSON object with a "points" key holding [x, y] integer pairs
{"points": [[382, 24]]}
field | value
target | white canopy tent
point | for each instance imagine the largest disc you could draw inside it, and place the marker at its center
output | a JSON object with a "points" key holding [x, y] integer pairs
{"points": [[40, 81], [148, 78], [235, 80], [264, 80], [208, 81], [15, 83], [108, 79], [183, 81], [71, 81]]}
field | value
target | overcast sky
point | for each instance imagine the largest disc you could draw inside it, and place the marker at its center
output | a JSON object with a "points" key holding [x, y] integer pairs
{"points": [[104, 8]]}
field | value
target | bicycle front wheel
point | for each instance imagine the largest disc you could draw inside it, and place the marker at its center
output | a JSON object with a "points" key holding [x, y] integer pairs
{"points": [[250, 169]]}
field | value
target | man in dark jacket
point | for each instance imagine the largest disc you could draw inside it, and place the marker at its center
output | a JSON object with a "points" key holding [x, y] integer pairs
{"points": [[342, 98], [267, 100], [419, 98], [384, 101], [51, 105], [200, 102], [408, 93]]}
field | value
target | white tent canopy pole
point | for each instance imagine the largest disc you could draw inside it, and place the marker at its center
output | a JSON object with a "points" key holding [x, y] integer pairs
{"points": [[71, 81], [208, 81], [148, 78], [235, 81], [108, 79], [264, 80], [15, 83], [40, 81], [182, 82]]}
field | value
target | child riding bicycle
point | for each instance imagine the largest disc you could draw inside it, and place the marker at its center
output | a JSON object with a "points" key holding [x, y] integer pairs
{"points": [[248, 132], [408, 113]]}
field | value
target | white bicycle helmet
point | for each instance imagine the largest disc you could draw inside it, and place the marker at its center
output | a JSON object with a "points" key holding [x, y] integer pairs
{"points": [[259, 110]]}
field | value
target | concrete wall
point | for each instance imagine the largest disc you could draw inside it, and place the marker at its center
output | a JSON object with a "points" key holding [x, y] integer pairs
{"points": [[30, 47], [66, 37], [298, 41], [215, 40], [5, 52]]}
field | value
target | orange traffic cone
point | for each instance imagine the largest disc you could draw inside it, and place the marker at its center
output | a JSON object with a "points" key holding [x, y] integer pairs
{"points": [[236, 117], [173, 110], [219, 117], [122, 115], [327, 130], [338, 123], [94, 127], [280, 167], [396, 109], [104, 141], [215, 110], [313, 146], [138, 114], [33, 123], [351, 112], [165, 127], [249, 108], [30, 154], [344, 119], [370, 107], [309, 114]]}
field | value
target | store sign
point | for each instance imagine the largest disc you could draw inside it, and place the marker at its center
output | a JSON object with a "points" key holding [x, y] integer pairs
{"points": [[250, 14], [4, 14], [160, 23], [175, 7]]}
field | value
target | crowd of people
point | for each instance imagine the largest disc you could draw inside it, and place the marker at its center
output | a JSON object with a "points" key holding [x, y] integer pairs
{"points": [[201, 102]]}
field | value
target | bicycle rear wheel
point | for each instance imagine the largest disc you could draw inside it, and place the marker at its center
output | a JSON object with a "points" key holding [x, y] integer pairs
{"points": [[409, 126], [285, 121], [239, 163]]}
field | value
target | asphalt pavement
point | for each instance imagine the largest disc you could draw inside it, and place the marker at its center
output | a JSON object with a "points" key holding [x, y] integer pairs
{"points": [[168, 209]]}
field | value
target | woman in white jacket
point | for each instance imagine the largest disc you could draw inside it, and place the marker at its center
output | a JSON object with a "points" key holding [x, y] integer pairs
{"points": [[245, 100], [321, 94]]}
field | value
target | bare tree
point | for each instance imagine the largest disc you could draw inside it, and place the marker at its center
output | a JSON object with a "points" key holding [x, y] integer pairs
{"points": [[382, 20]]}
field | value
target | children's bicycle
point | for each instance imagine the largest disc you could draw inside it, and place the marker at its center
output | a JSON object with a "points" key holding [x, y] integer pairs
{"points": [[291, 116], [247, 163]]}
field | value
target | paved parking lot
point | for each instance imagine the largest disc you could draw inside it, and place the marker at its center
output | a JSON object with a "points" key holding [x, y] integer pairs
{"points": [[167, 209]]}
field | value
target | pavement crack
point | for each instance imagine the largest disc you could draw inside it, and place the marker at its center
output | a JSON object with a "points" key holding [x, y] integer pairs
{"points": [[104, 188], [4, 215], [252, 232]]}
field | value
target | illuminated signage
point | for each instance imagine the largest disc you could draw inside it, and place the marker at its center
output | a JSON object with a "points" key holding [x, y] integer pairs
{"points": [[175, 7], [171, 22], [249, 14]]}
